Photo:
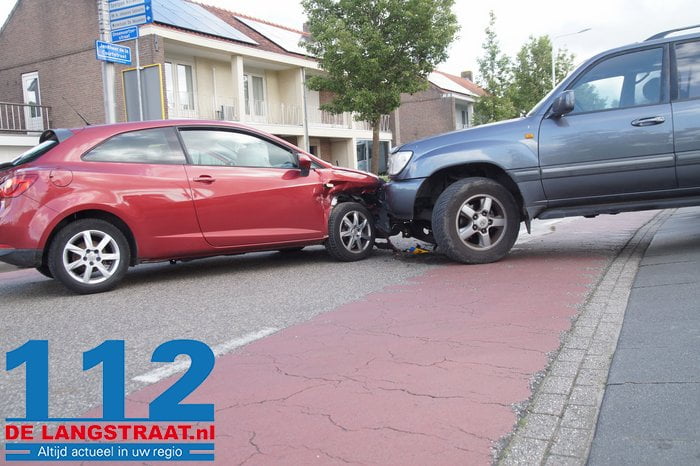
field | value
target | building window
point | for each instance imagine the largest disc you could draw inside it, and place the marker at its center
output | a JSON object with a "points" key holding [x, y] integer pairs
{"points": [[465, 118], [179, 88], [364, 155], [32, 98], [254, 91]]}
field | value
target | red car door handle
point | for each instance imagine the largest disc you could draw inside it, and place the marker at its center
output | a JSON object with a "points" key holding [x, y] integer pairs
{"points": [[204, 179]]}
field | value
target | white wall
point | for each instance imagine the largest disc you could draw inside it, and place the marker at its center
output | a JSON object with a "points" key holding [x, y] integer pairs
{"points": [[11, 146]]}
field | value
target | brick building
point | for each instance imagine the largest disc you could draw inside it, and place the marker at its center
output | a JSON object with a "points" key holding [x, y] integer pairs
{"points": [[212, 63], [447, 105]]}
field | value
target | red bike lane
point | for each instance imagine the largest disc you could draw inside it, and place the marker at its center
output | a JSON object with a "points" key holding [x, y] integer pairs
{"points": [[426, 372]]}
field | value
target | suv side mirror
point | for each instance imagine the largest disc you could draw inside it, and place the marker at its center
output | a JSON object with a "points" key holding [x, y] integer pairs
{"points": [[563, 104], [304, 165]]}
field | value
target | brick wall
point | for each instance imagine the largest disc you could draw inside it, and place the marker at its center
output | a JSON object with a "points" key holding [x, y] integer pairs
{"points": [[58, 43], [424, 114], [57, 39]]}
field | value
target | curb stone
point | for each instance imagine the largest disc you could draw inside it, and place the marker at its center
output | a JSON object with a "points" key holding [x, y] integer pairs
{"points": [[557, 425]]}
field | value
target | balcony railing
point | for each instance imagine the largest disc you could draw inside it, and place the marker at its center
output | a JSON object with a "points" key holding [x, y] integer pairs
{"points": [[191, 105], [23, 118]]}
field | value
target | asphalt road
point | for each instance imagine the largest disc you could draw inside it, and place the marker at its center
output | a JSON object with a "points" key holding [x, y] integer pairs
{"points": [[217, 301]]}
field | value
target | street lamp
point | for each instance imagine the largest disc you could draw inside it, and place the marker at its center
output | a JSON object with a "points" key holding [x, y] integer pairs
{"points": [[554, 79]]}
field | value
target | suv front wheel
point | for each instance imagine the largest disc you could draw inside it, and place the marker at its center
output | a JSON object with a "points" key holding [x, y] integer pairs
{"points": [[475, 221]]}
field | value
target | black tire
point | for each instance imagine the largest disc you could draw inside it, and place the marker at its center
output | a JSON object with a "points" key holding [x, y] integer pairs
{"points": [[460, 209], [351, 232], [92, 273], [44, 270]]}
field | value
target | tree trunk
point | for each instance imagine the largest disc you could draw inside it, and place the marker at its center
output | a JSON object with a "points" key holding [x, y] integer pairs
{"points": [[375, 146]]}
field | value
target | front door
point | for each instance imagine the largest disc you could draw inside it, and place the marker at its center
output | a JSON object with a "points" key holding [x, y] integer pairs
{"points": [[618, 139], [248, 191], [686, 114]]}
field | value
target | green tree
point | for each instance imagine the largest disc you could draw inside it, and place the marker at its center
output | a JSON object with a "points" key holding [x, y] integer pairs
{"points": [[532, 72], [495, 77], [374, 50]]}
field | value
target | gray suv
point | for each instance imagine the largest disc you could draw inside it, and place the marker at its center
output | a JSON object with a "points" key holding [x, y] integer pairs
{"points": [[621, 133]]}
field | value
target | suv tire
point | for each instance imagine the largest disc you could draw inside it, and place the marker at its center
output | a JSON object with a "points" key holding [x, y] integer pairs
{"points": [[89, 256], [350, 232], [475, 221]]}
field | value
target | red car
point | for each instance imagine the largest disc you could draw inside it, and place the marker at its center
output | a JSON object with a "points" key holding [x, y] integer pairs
{"points": [[87, 203]]}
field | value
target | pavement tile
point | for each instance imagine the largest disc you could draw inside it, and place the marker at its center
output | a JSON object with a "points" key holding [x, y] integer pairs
{"points": [[581, 331], [592, 377], [616, 318], [601, 348], [547, 403], [558, 385], [577, 343], [579, 417], [572, 355], [608, 331], [525, 451], [557, 460], [585, 395], [539, 426], [571, 442], [564, 368], [596, 362]]}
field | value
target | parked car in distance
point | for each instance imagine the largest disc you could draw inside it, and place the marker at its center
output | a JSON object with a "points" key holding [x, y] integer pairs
{"points": [[621, 133], [87, 203]]}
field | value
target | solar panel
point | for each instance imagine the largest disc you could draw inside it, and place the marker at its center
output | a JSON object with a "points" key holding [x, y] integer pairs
{"points": [[288, 40], [193, 17]]}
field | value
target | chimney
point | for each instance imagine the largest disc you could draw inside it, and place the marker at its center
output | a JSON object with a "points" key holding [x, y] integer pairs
{"points": [[468, 75], [305, 27]]}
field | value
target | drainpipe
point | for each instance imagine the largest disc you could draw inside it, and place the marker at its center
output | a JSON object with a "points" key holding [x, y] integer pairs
{"points": [[305, 113]]}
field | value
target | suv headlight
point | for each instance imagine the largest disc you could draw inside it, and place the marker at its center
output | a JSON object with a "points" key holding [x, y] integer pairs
{"points": [[398, 161]]}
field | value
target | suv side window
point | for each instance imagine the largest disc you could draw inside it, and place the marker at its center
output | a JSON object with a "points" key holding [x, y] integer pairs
{"points": [[230, 148], [688, 63], [157, 146], [621, 81]]}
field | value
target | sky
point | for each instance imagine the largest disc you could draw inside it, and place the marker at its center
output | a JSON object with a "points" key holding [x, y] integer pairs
{"points": [[612, 23]]}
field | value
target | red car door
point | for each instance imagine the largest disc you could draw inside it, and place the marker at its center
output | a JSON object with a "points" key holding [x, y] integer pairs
{"points": [[248, 192]]}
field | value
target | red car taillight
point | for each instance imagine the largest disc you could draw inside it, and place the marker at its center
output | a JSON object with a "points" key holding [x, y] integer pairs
{"points": [[16, 185]]}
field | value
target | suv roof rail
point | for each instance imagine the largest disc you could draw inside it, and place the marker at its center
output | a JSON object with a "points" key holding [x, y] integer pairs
{"points": [[661, 35]]}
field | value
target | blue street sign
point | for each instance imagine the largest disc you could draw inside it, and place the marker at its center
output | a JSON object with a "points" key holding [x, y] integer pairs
{"points": [[125, 13], [121, 35], [112, 53]]}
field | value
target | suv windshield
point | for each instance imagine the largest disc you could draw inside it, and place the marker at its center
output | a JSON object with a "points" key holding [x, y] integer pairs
{"points": [[31, 155]]}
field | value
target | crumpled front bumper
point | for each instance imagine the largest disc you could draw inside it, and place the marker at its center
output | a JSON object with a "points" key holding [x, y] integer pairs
{"points": [[397, 200]]}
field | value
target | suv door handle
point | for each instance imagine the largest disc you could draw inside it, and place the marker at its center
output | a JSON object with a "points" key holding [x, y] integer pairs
{"points": [[204, 179], [650, 121]]}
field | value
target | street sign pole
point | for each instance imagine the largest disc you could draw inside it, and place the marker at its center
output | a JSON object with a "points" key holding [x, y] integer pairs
{"points": [[138, 79], [107, 68]]}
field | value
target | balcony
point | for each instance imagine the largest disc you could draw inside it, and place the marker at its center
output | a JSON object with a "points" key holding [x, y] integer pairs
{"points": [[23, 118], [209, 107]]}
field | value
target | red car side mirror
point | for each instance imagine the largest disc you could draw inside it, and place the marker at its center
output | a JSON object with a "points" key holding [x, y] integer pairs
{"points": [[304, 165]]}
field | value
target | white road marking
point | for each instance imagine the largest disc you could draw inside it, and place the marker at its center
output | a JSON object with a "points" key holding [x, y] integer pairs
{"points": [[166, 371]]}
